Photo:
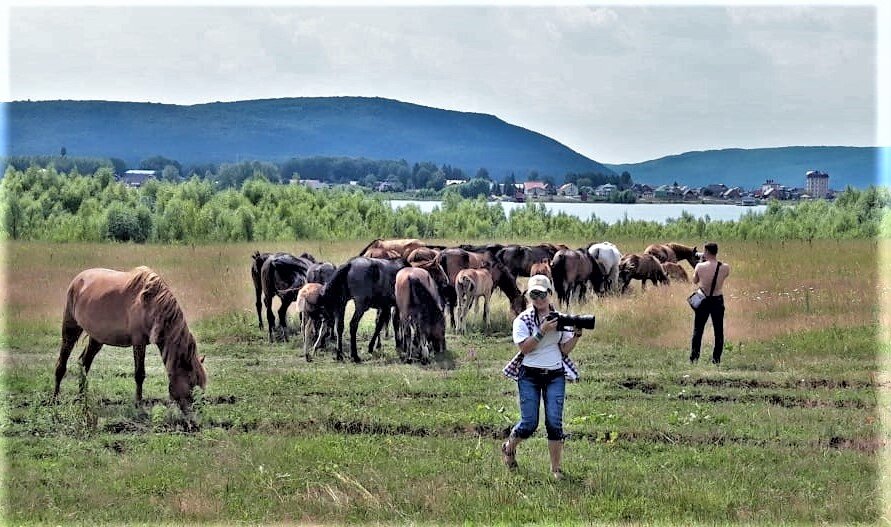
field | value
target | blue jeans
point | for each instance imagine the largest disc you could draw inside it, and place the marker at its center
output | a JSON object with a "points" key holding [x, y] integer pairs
{"points": [[535, 385]]}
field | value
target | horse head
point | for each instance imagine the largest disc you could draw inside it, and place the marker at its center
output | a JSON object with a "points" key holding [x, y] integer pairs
{"points": [[185, 371]]}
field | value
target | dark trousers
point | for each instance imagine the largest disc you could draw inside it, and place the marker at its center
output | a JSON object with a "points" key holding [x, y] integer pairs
{"points": [[711, 306]]}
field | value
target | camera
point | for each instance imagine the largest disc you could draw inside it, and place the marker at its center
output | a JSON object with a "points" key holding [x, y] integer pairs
{"points": [[567, 322]]}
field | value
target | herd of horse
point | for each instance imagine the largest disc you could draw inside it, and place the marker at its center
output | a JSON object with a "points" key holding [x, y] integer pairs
{"points": [[416, 286], [411, 283]]}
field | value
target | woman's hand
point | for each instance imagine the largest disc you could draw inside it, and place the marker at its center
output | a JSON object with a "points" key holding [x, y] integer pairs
{"points": [[548, 326], [577, 334]]}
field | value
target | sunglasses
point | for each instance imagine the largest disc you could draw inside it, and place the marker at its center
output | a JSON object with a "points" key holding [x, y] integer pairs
{"points": [[535, 295]]}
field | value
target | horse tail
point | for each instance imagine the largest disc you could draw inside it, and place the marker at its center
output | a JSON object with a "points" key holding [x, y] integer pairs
{"points": [[374, 241]]}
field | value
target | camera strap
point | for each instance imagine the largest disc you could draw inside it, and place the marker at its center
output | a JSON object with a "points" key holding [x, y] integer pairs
{"points": [[715, 280]]}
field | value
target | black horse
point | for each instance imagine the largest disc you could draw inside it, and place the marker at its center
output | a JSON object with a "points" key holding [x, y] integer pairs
{"points": [[519, 258], [371, 284], [320, 273], [282, 275]]}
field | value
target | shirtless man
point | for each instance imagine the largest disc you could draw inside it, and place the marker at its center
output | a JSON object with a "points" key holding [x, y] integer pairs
{"points": [[709, 275]]}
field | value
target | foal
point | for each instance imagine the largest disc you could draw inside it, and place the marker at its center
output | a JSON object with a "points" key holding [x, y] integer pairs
{"points": [[471, 284]]}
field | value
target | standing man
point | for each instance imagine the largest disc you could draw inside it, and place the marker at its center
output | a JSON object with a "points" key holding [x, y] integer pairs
{"points": [[710, 275]]}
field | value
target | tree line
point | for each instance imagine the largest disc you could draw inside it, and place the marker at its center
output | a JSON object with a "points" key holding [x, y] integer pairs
{"points": [[42, 204], [399, 175]]}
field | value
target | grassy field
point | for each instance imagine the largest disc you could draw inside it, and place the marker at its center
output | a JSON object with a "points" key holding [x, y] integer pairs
{"points": [[787, 430]]}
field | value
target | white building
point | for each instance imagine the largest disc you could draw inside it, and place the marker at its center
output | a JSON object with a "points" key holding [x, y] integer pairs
{"points": [[817, 185]]}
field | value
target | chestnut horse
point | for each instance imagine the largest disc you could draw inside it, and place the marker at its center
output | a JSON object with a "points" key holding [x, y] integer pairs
{"points": [[573, 270], [422, 254], [641, 267], [403, 246], [675, 272], [674, 252], [421, 326], [133, 308], [471, 284]]}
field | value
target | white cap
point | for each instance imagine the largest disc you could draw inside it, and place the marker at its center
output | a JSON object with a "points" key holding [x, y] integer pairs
{"points": [[539, 282]]}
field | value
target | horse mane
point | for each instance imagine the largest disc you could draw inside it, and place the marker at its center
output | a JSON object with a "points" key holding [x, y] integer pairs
{"points": [[169, 326]]}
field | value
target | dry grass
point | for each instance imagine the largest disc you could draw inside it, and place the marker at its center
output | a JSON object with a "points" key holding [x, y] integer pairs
{"points": [[775, 288]]}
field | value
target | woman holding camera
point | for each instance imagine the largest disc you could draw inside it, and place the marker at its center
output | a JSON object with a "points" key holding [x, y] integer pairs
{"points": [[541, 369]]}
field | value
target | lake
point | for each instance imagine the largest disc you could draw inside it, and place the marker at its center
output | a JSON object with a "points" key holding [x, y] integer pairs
{"points": [[615, 212]]}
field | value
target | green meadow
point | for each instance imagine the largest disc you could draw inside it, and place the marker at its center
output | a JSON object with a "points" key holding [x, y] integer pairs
{"points": [[786, 431]]}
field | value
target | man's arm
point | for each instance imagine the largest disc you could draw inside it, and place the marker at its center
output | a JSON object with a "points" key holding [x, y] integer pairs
{"points": [[696, 274]]}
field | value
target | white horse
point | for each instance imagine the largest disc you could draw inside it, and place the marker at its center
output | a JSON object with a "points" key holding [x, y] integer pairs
{"points": [[607, 256]]}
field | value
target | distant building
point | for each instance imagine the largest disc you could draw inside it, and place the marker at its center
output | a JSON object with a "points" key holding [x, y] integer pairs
{"points": [[817, 185], [732, 193], [568, 189], [314, 184], [137, 178], [606, 190], [450, 182], [535, 189], [768, 185]]}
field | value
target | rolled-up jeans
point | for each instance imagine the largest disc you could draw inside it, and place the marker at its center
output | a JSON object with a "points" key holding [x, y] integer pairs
{"points": [[536, 385]]}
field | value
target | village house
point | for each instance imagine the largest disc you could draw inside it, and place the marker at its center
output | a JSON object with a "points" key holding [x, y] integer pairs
{"points": [[450, 182], [732, 193], [715, 189], [569, 190], [535, 189], [137, 178], [606, 190]]}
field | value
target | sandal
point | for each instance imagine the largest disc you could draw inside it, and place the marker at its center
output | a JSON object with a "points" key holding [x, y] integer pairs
{"points": [[509, 458]]}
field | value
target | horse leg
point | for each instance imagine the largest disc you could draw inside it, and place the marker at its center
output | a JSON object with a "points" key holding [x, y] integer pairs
{"points": [[69, 339], [354, 327], [308, 329], [383, 320], [259, 302], [139, 369], [486, 311], [339, 323], [86, 359], [270, 316], [283, 318]]}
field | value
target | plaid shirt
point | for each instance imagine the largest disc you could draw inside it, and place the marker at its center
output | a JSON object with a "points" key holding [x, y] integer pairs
{"points": [[512, 369]]}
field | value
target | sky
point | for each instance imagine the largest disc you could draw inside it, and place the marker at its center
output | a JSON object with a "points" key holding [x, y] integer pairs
{"points": [[615, 82]]}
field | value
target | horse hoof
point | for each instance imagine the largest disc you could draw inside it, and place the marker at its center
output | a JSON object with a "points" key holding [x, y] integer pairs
{"points": [[356, 359], [308, 358]]}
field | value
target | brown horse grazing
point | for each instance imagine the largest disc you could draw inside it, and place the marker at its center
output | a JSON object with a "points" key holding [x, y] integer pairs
{"points": [[402, 246], [421, 329], [542, 267], [675, 272], [641, 267], [674, 252], [453, 260], [472, 284], [316, 328], [134, 308], [573, 270]]}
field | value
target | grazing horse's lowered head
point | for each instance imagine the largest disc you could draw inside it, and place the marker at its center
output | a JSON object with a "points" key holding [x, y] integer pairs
{"points": [[422, 326]]}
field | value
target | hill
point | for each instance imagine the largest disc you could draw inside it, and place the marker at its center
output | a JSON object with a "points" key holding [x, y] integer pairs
{"points": [[279, 129], [748, 168]]}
